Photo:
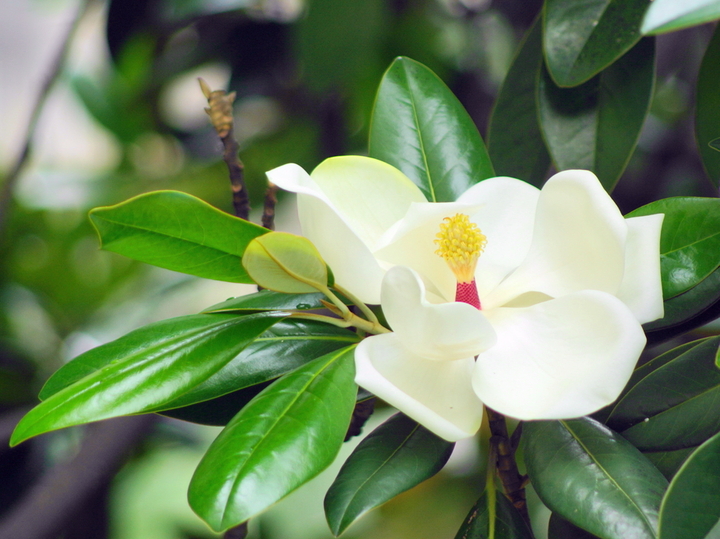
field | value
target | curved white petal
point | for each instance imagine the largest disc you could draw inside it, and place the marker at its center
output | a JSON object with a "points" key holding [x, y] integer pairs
{"points": [[578, 242], [436, 394], [563, 358], [370, 195], [447, 331], [641, 288], [504, 210]]}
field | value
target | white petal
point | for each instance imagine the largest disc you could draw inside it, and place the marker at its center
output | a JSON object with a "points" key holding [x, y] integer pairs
{"points": [[504, 210], [641, 288], [448, 331], [578, 242], [564, 358], [370, 195], [436, 394]]}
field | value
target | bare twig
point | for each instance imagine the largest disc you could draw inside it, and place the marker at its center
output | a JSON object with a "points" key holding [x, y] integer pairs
{"points": [[268, 216], [221, 116], [55, 70]]}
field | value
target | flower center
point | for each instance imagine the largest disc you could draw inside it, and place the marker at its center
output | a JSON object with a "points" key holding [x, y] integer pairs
{"points": [[460, 242]]}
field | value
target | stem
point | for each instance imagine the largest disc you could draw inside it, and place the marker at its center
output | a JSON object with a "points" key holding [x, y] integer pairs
{"points": [[491, 491], [513, 483], [361, 305], [268, 216]]}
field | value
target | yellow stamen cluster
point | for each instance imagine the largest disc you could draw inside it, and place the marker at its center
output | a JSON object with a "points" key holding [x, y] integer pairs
{"points": [[460, 243]]}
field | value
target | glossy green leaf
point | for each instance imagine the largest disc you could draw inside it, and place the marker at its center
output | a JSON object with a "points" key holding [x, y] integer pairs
{"points": [[691, 506], [580, 39], [420, 128], [675, 405], [508, 522], [670, 15], [282, 348], [715, 144], [596, 126], [141, 370], [559, 528], [668, 462], [395, 457], [268, 300], [690, 240], [285, 263], [282, 439], [179, 232], [707, 108], [593, 478], [515, 144]]}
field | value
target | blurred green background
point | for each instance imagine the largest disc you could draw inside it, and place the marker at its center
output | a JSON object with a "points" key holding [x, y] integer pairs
{"points": [[124, 116]]}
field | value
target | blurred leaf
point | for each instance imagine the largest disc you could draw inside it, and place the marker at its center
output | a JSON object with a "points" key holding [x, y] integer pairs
{"points": [[282, 439], [593, 478], [580, 39], [285, 263], [715, 144], [670, 15], [691, 506], [177, 231], [420, 128], [141, 370], [515, 143], [674, 404], [268, 300], [559, 528], [395, 457], [707, 108], [285, 346], [690, 240], [668, 462], [596, 126], [508, 522]]}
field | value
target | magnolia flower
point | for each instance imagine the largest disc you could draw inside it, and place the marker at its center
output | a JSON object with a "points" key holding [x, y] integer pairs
{"points": [[527, 300]]}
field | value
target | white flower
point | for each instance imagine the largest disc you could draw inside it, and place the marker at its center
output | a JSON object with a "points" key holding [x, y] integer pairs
{"points": [[563, 281]]}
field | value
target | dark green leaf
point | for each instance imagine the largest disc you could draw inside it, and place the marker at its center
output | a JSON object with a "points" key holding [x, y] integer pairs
{"points": [[583, 38], [668, 462], [707, 108], [284, 347], [596, 126], [675, 405], [593, 478], [715, 144], [508, 522], [267, 300], [515, 144], [420, 128], [559, 528], [691, 506], [690, 240], [395, 457], [282, 439], [179, 232], [141, 370], [670, 15]]}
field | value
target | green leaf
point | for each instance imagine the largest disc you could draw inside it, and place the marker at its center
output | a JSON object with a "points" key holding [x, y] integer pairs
{"points": [[593, 478], [515, 144], [670, 15], [668, 462], [285, 346], [420, 128], [715, 144], [395, 457], [580, 39], [282, 439], [690, 240], [141, 370], [508, 522], [179, 232], [674, 405], [285, 263], [268, 300], [559, 528], [691, 506], [707, 108], [596, 126]]}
